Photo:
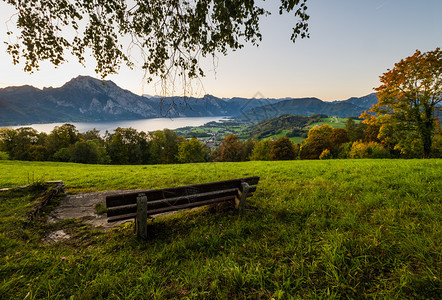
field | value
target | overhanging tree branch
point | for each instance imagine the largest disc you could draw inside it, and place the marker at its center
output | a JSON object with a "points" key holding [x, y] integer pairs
{"points": [[168, 33]]}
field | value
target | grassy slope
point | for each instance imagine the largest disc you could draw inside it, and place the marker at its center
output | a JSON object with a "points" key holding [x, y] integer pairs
{"points": [[333, 122], [296, 139], [349, 228]]}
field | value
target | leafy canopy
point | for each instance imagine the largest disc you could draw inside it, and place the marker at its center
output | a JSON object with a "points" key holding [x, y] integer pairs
{"points": [[409, 95], [413, 86], [171, 35]]}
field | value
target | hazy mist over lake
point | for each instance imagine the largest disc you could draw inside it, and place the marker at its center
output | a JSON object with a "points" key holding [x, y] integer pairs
{"points": [[140, 125]]}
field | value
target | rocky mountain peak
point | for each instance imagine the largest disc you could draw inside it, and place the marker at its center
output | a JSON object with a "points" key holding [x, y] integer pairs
{"points": [[89, 83]]}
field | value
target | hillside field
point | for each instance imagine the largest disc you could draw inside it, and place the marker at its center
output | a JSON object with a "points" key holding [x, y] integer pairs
{"points": [[333, 122], [314, 229]]}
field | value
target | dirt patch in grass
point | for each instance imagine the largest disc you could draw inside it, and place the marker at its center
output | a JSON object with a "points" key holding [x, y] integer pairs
{"points": [[83, 207]]}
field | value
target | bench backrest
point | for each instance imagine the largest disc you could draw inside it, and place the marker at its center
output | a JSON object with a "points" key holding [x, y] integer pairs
{"points": [[124, 206]]}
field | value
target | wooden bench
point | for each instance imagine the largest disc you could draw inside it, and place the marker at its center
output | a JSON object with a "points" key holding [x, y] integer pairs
{"points": [[142, 204]]}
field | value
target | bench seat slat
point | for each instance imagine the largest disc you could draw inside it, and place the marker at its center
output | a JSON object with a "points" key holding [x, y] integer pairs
{"points": [[121, 210], [131, 198], [132, 215], [190, 205], [171, 208], [131, 208], [113, 211]]}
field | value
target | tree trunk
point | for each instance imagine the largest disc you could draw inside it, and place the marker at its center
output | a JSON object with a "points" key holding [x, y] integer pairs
{"points": [[427, 145], [426, 130]]}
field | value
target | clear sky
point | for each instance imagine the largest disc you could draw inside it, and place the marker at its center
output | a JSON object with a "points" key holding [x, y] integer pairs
{"points": [[352, 42]]}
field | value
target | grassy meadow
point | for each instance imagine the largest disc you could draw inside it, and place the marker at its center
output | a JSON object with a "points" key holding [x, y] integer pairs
{"points": [[296, 139], [314, 229], [333, 122]]}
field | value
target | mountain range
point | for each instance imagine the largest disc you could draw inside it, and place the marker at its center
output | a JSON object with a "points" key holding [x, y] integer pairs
{"points": [[308, 107], [86, 99]]}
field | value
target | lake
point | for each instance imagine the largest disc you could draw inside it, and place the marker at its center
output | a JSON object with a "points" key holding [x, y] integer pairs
{"points": [[140, 125]]}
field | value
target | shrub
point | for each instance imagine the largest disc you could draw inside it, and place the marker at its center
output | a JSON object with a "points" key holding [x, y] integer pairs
{"points": [[326, 154], [378, 151], [261, 151], [317, 141], [283, 149], [343, 150], [62, 155], [192, 151], [338, 136], [4, 155], [231, 149], [368, 150], [37, 153], [89, 152]]}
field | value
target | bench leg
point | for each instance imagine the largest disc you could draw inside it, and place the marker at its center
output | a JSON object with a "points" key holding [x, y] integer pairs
{"points": [[141, 220], [241, 200]]}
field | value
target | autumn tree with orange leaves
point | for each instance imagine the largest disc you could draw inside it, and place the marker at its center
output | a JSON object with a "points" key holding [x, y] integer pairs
{"points": [[408, 97]]}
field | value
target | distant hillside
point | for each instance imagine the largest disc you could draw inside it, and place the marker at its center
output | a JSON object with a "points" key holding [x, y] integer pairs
{"points": [[273, 126], [208, 106], [304, 107], [365, 102], [86, 99]]}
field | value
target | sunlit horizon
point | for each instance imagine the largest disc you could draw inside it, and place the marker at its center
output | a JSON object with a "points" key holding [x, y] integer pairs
{"points": [[352, 43]]}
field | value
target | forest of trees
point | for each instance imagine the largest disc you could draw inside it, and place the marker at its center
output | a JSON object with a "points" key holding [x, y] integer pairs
{"points": [[129, 146]]}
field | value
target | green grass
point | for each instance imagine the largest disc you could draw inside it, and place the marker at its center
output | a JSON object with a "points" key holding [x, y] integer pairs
{"points": [[296, 139], [280, 134], [332, 122], [314, 229]]}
